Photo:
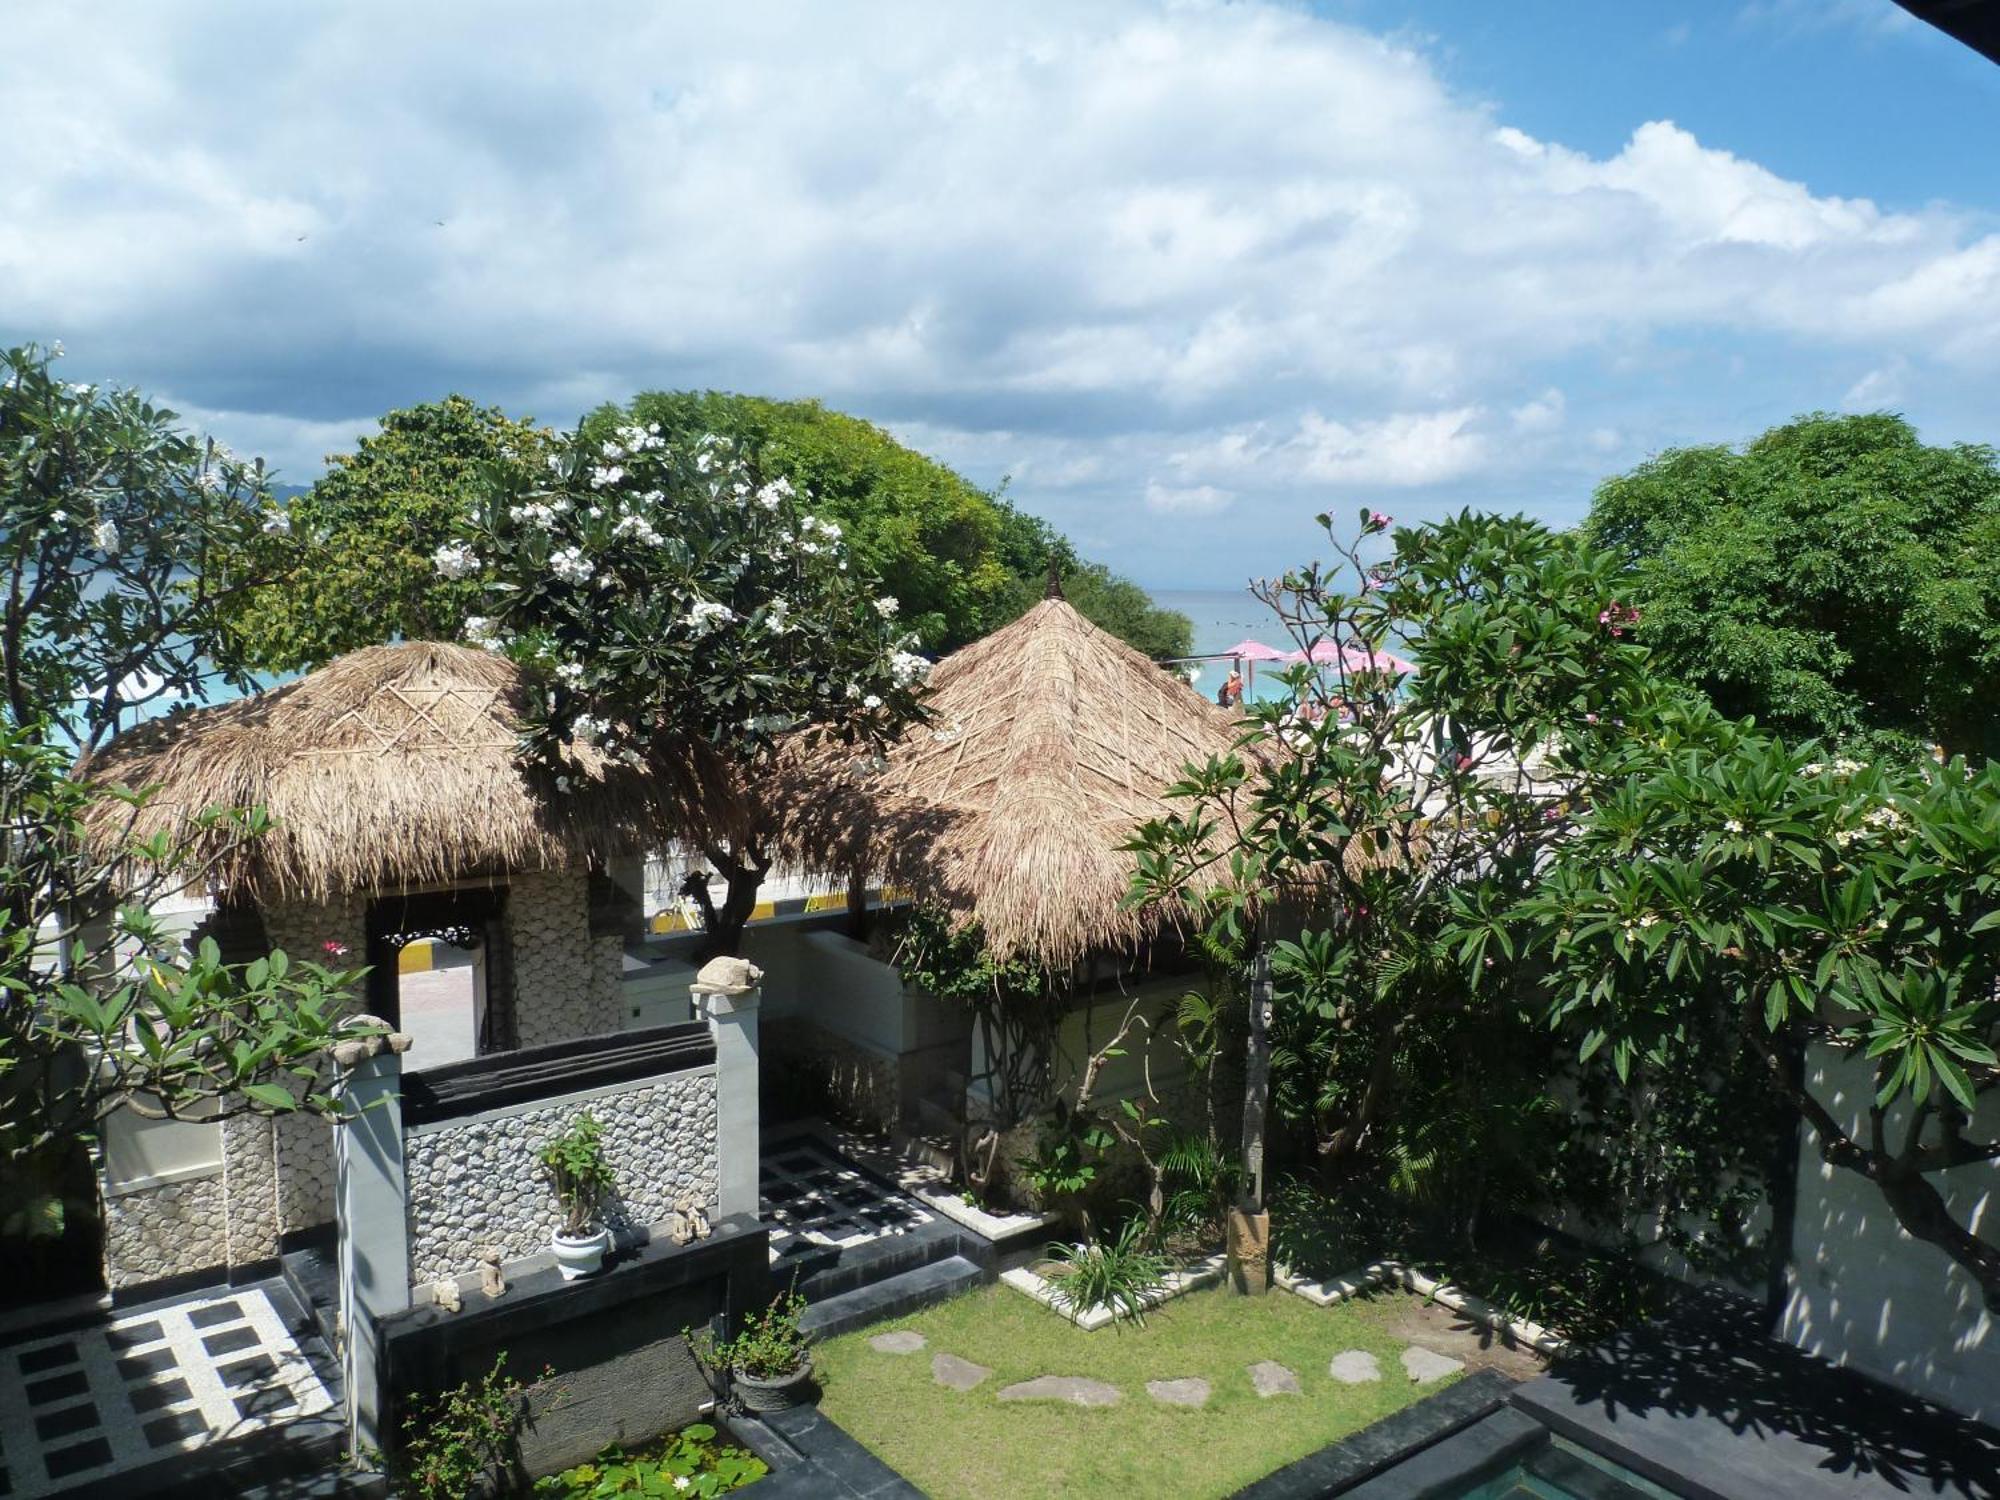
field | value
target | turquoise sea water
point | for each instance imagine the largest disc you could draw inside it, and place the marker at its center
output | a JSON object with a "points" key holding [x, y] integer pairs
{"points": [[1223, 617]]}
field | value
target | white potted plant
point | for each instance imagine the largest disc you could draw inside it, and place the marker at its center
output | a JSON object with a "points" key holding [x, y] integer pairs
{"points": [[575, 1166]]}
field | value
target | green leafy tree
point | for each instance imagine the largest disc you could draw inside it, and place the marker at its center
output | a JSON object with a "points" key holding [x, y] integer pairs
{"points": [[112, 517], [963, 561], [1397, 820], [685, 610], [1835, 578], [351, 557], [1818, 907]]}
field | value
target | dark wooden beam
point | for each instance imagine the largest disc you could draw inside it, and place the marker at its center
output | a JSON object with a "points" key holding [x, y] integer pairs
{"points": [[1974, 22]]}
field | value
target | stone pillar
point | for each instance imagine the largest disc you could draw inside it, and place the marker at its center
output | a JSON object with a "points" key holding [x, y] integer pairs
{"points": [[374, 1231], [730, 1008]]}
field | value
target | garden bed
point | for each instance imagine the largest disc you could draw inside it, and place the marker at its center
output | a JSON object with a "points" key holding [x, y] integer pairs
{"points": [[934, 1411], [1337, 1289], [1188, 1278]]}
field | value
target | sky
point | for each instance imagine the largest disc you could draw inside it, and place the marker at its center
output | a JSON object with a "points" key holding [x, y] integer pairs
{"points": [[1181, 275]]}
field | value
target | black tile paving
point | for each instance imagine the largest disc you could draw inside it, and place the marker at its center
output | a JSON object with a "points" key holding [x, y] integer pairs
{"points": [[64, 1462], [1710, 1407], [247, 1371], [174, 1427], [161, 1393], [216, 1316], [133, 1337], [152, 1362], [69, 1420], [57, 1388], [35, 1361], [230, 1340]]}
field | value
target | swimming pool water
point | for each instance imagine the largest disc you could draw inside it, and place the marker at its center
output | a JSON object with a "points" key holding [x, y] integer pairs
{"points": [[1563, 1471]]}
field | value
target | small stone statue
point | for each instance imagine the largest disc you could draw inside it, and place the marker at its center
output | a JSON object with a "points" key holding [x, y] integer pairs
{"points": [[491, 1281], [445, 1294], [690, 1223], [728, 976]]}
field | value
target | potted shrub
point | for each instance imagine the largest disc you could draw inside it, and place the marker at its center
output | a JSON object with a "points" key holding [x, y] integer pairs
{"points": [[575, 1166], [768, 1362]]}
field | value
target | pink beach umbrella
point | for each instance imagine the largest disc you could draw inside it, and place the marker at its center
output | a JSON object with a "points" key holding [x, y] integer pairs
{"points": [[1352, 659], [1255, 651]]}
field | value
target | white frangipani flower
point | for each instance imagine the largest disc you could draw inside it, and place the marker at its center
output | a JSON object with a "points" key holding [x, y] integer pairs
{"points": [[571, 566], [104, 535], [887, 606], [908, 670], [455, 560], [706, 615]]}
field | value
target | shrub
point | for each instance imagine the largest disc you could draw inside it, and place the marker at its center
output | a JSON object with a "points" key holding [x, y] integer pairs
{"points": [[575, 1166], [771, 1344], [464, 1441], [1118, 1273], [693, 1455]]}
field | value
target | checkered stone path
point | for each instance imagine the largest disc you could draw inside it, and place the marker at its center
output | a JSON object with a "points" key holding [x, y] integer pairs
{"points": [[98, 1401], [812, 1198]]}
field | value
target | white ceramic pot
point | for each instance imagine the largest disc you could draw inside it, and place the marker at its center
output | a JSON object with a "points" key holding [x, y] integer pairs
{"points": [[580, 1255]]}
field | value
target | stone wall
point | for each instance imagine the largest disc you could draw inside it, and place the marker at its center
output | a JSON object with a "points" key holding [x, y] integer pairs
{"points": [[169, 1229], [303, 930], [475, 1185], [565, 981], [250, 1179], [304, 1149]]}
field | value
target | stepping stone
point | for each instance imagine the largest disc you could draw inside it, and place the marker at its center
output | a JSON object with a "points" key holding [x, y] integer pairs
{"points": [[1071, 1388], [957, 1374], [1355, 1367], [1192, 1391], [902, 1341], [1425, 1365], [1273, 1379]]}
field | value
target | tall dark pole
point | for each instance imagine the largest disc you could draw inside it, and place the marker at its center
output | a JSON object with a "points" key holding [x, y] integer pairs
{"points": [[1249, 1221], [1257, 1082]]}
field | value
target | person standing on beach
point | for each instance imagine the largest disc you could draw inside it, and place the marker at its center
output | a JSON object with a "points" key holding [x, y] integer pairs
{"points": [[1231, 692]]}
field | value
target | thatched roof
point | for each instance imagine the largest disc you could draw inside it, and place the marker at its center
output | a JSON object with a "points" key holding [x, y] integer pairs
{"points": [[394, 766], [1050, 742]]}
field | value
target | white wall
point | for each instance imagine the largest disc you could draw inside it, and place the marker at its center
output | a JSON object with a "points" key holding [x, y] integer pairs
{"points": [[1866, 1294], [847, 991], [1091, 1026], [140, 1153]]}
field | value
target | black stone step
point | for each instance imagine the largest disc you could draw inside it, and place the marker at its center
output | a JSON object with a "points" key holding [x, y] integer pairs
{"points": [[312, 1274], [937, 1281], [828, 1271]]}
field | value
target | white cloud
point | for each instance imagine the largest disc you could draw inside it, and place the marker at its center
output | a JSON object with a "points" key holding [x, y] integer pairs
{"points": [[1880, 388], [1108, 249], [1543, 414], [1403, 450], [1190, 500]]}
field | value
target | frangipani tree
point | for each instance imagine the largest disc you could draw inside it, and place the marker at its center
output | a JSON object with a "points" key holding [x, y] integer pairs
{"points": [[109, 514], [687, 613], [1396, 823], [1807, 900]]}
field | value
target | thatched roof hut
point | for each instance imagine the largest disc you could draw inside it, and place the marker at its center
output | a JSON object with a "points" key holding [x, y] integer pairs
{"points": [[1050, 742], [392, 767]]}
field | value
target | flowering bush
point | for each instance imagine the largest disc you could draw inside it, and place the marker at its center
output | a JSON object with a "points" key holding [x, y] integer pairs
{"points": [[673, 593]]}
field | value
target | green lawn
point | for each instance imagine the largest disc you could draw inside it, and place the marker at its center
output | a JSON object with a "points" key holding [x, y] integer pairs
{"points": [[969, 1446]]}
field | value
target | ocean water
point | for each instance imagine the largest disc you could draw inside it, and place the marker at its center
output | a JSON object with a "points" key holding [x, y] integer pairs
{"points": [[1221, 618]]}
